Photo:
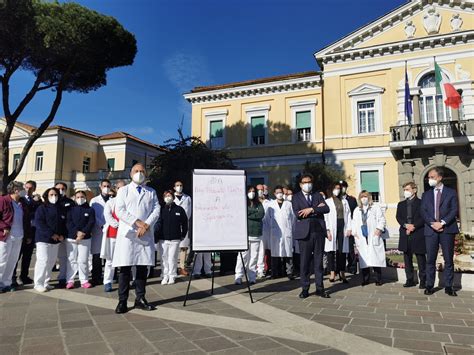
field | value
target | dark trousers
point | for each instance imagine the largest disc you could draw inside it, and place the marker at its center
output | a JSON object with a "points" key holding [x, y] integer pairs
{"points": [[409, 269], [377, 273], [124, 282], [311, 249], [96, 274], [281, 266], [228, 261], [447, 246], [336, 261], [351, 257], [26, 253]]}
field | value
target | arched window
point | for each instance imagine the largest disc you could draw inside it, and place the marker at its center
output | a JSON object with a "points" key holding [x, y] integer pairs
{"points": [[432, 107]]}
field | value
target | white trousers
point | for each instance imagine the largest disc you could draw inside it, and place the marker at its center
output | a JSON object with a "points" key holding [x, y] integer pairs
{"points": [[63, 260], [169, 250], [78, 259], [46, 255], [109, 271], [250, 258], [261, 259], [9, 253], [203, 258]]}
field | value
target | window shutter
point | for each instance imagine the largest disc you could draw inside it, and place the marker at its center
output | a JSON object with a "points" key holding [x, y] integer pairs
{"points": [[303, 119], [369, 180]]}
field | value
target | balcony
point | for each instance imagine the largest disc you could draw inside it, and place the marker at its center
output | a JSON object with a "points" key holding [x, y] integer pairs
{"points": [[101, 174], [431, 134]]}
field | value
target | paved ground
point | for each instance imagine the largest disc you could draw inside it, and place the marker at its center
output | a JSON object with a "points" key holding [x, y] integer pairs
{"points": [[368, 320]]}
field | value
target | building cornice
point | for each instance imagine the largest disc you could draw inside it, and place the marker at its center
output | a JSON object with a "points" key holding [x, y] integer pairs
{"points": [[255, 90]]}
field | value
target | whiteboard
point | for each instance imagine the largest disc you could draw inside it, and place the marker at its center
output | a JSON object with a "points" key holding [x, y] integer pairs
{"points": [[219, 210]]}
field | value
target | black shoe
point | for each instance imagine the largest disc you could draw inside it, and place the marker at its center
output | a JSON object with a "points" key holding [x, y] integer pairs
{"points": [[409, 283], [322, 294], [143, 304], [332, 280], [345, 281], [422, 285], [378, 283], [449, 291], [304, 294], [429, 291], [365, 283], [26, 280], [121, 307], [61, 284], [291, 277]]}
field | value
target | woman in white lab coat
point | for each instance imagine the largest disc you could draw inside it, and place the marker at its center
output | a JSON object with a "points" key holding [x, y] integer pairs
{"points": [[338, 225], [281, 218], [368, 226]]}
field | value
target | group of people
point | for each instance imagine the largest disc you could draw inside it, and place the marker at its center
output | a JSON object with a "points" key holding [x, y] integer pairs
{"points": [[125, 225], [313, 227]]}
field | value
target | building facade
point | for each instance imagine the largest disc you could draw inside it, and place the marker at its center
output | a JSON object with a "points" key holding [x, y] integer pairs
{"points": [[352, 112], [78, 158]]}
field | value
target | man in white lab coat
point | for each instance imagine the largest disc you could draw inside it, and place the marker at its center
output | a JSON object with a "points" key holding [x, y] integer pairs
{"points": [[183, 200], [138, 209], [98, 204]]}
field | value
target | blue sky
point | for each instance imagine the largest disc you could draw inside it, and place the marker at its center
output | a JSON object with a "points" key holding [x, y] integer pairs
{"points": [[187, 43]]}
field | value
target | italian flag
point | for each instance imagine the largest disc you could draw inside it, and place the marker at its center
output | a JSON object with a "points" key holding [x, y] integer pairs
{"points": [[450, 95]]}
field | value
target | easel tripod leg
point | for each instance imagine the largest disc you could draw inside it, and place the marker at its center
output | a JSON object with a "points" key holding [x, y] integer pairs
{"points": [[190, 278], [246, 277]]}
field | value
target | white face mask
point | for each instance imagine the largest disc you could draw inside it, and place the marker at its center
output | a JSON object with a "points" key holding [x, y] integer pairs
{"points": [[336, 192], [432, 182], [178, 189], [289, 197], [53, 199], [260, 193], [251, 195], [80, 201], [307, 187], [62, 192], [344, 190], [407, 194], [22, 193], [105, 190], [265, 192], [168, 200], [279, 196], [138, 178], [364, 201]]}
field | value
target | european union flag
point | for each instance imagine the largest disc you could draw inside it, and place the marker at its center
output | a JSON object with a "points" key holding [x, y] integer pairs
{"points": [[408, 105]]}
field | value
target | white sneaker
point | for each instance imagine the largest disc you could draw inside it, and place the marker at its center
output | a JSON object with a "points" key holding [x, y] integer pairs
{"points": [[41, 289], [165, 280], [238, 281], [171, 281]]}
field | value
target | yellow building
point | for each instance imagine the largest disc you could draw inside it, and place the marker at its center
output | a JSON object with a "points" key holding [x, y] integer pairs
{"points": [[351, 115], [78, 158]]}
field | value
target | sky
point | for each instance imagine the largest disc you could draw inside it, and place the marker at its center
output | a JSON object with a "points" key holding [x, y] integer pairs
{"points": [[188, 43]]}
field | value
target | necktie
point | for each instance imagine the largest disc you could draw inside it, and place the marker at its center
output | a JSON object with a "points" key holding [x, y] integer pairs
{"points": [[308, 198], [139, 189], [438, 202]]}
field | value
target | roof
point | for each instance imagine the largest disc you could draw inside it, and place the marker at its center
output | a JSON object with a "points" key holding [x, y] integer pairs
{"points": [[255, 81], [114, 135]]}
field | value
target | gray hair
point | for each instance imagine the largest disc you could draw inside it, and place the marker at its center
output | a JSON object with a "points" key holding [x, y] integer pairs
{"points": [[14, 185]]}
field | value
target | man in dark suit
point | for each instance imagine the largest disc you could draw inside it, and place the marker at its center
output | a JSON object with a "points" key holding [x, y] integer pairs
{"points": [[310, 231], [412, 236], [352, 201], [439, 206]]}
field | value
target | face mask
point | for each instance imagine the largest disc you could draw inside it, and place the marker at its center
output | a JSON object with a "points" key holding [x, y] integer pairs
{"points": [[105, 190], [336, 192], [432, 182], [407, 194], [265, 192], [53, 199], [260, 193], [22, 193], [364, 201], [289, 198], [178, 189], [62, 192], [168, 200], [279, 196], [80, 201], [344, 190], [36, 198], [138, 178], [307, 187], [251, 195]]}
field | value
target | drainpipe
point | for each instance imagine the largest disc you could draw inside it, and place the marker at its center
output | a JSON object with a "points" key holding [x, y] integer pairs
{"points": [[323, 145]]}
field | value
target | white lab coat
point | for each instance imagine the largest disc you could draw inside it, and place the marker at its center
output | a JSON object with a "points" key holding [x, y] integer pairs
{"points": [[371, 250], [186, 204], [266, 225], [130, 206], [281, 221], [97, 204], [106, 250], [331, 225]]}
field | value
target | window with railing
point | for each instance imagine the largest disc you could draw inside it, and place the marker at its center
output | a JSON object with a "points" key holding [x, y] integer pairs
{"points": [[369, 181], [303, 126], [432, 107], [217, 134], [258, 130]]}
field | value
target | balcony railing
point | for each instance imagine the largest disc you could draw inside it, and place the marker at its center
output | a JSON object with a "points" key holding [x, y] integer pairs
{"points": [[102, 174], [423, 131]]}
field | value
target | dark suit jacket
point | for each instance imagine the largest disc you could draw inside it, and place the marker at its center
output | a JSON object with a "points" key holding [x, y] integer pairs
{"points": [[418, 245], [80, 218], [302, 225], [352, 204], [448, 210]]}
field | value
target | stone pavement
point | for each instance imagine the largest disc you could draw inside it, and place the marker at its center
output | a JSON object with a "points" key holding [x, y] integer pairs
{"points": [[355, 320]]}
